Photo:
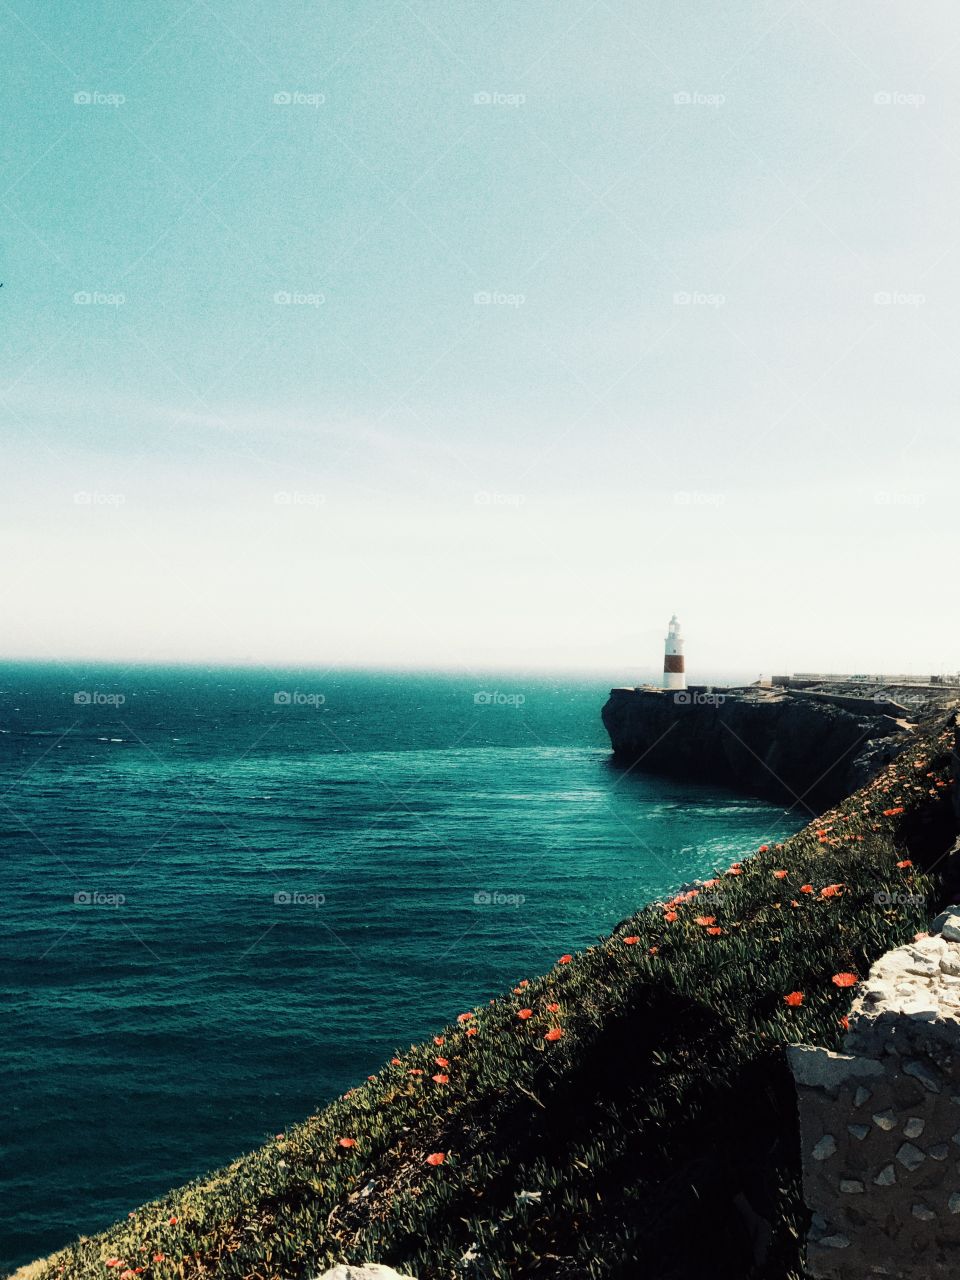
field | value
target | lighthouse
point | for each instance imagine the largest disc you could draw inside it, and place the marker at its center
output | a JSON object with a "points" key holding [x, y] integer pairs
{"points": [[674, 676]]}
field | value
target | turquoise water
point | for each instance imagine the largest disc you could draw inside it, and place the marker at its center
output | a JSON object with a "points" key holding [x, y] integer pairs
{"points": [[231, 894]]}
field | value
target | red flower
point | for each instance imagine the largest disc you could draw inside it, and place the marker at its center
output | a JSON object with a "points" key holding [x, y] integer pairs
{"points": [[710, 884], [524, 1014], [705, 920], [113, 1262], [441, 1062], [763, 848], [440, 1078], [553, 1008], [565, 959], [159, 1257], [465, 1017], [414, 1071], [346, 1143], [670, 916], [524, 982], [172, 1220], [780, 875], [631, 941], [794, 999], [436, 1158], [654, 950], [715, 932], [904, 864], [845, 1022], [844, 979], [553, 1034], [471, 1031], [734, 871], [395, 1062], [830, 890], [438, 1039], [892, 813], [806, 888]]}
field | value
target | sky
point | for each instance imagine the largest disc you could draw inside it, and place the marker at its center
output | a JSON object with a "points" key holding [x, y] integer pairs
{"points": [[432, 333]]}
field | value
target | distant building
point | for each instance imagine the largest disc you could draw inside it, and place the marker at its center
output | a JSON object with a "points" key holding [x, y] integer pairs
{"points": [[674, 672]]}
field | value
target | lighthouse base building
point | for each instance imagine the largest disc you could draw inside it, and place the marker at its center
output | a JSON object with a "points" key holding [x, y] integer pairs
{"points": [[674, 672]]}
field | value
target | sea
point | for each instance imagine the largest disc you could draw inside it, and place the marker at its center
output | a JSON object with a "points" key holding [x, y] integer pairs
{"points": [[231, 894]]}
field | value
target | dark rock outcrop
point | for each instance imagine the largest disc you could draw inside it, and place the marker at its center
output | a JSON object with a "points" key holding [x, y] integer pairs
{"points": [[764, 741]]}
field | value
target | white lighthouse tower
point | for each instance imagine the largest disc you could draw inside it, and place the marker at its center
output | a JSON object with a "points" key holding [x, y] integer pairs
{"points": [[674, 674]]}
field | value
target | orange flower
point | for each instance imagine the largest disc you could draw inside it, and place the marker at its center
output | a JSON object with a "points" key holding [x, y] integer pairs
{"points": [[436, 1158], [844, 979], [553, 1034], [172, 1220], [465, 1017], [904, 864], [440, 1078], [780, 875], [565, 959], [654, 950], [631, 941], [734, 871], [113, 1262], [524, 982], [845, 1022], [471, 1031], [441, 1062], [524, 1014], [704, 919], [394, 1062], [438, 1039], [794, 999], [670, 916], [414, 1071], [830, 890], [763, 848], [794, 902], [346, 1143], [892, 813], [806, 888], [710, 884], [159, 1257], [714, 932]]}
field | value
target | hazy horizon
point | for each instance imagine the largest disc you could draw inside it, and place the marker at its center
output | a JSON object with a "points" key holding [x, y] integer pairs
{"points": [[428, 336]]}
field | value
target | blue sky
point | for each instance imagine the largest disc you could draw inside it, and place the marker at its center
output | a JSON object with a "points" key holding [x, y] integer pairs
{"points": [[437, 333]]}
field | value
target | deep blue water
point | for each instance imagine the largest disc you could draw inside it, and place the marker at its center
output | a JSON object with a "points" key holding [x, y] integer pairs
{"points": [[221, 908]]}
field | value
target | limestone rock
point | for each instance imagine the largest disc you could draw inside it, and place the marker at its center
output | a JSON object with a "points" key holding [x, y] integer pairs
{"points": [[366, 1271]]}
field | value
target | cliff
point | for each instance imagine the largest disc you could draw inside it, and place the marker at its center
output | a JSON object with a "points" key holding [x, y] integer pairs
{"points": [[765, 741]]}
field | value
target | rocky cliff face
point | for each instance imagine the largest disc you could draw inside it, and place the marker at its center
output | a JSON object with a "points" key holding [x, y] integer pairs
{"points": [[764, 741]]}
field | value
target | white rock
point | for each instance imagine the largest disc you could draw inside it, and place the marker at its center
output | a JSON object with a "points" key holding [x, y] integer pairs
{"points": [[951, 929], [368, 1271]]}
